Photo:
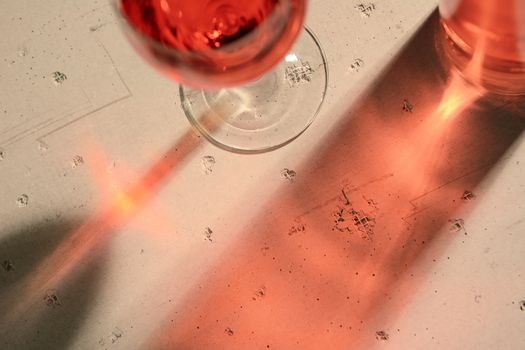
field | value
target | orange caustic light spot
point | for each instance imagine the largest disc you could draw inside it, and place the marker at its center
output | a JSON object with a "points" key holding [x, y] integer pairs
{"points": [[450, 105], [125, 202], [458, 96]]}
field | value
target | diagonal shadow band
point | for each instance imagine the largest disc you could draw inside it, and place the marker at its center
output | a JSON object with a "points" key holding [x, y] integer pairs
{"points": [[326, 261]]}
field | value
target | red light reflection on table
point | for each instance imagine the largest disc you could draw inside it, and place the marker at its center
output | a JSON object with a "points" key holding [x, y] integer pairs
{"points": [[122, 204], [318, 287], [460, 94], [422, 153]]}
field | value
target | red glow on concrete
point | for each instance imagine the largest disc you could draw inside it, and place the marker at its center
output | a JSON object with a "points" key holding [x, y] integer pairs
{"points": [[122, 203], [458, 96], [331, 285]]}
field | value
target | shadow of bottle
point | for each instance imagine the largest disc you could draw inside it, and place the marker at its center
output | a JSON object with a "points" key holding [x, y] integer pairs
{"points": [[331, 253]]}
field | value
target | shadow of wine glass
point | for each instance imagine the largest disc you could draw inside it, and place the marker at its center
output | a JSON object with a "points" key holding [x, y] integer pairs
{"points": [[325, 264], [51, 269], [57, 313]]}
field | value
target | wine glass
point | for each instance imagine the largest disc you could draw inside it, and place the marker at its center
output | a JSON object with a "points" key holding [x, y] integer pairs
{"points": [[251, 79]]}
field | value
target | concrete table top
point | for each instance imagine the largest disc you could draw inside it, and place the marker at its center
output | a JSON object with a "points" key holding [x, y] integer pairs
{"points": [[381, 227]]}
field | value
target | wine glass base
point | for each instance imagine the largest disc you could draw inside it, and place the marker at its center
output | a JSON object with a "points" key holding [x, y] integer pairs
{"points": [[268, 113]]}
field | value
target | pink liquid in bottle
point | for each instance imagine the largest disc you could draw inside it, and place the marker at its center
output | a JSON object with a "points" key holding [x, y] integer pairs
{"points": [[485, 41]]}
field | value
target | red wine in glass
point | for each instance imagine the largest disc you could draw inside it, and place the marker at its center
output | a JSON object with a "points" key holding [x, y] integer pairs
{"points": [[214, 43], [196, 25], [252, 77]]}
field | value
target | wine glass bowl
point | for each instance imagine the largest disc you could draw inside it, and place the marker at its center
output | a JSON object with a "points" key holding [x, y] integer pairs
{"points": [[251, 79], [212, 44]]}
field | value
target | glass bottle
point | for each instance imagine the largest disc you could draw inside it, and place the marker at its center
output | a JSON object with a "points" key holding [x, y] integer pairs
{"points": [[485, 41]]}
